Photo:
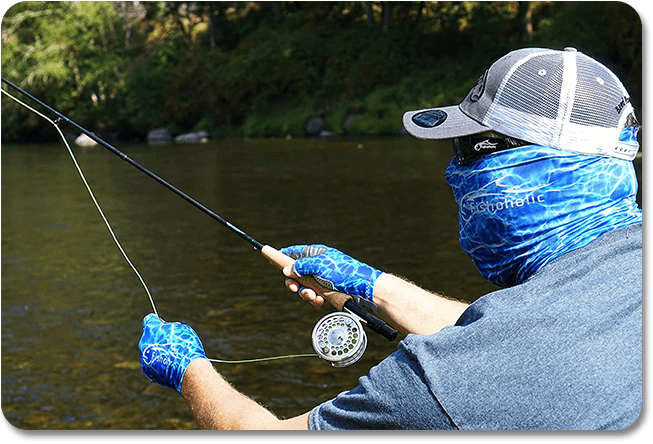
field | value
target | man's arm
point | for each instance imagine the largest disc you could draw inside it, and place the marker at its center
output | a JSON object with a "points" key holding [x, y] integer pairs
{"points": [[408, 307], [217, 405], [412, 309], [172, 355]]}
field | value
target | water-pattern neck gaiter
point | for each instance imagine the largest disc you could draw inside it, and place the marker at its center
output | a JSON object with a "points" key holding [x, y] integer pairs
{"points": [[519, 209]]}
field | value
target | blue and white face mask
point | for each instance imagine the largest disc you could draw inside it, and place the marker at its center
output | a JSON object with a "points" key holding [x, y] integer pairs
{"points": [[521, 208]]}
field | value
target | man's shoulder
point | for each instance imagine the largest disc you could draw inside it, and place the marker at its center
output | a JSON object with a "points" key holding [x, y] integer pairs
{"points": [[614, 254]]}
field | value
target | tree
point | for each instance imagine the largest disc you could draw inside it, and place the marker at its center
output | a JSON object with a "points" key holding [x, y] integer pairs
{"points": [[525, 15], [71, 53], [387, 14]]}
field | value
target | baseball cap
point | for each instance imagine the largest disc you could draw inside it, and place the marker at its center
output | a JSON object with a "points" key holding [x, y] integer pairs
{"points": [[561, 99]]}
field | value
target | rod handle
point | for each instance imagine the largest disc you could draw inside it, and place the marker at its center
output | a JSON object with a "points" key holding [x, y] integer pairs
{"points": [[279, 259]]}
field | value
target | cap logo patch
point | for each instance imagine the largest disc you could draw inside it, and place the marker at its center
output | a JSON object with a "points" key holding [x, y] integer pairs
{"points": [[430, 118], [479, 89]]}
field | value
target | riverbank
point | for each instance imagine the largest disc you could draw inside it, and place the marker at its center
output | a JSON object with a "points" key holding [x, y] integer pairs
{"points": [[280, 69]]}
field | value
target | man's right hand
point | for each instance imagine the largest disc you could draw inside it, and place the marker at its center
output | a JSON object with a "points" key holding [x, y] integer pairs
{"points": [[332, 269], [408, 307]]}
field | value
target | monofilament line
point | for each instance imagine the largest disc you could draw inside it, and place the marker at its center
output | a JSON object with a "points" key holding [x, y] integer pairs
{"points": [[115, 239], [90, 192], [273, 358]]}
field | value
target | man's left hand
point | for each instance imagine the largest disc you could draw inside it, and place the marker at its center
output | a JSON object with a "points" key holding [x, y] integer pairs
{"points": [[167, 348]]}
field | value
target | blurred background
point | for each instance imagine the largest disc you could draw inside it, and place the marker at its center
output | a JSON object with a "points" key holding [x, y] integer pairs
{"points": [[261, 69], [293, 117]]}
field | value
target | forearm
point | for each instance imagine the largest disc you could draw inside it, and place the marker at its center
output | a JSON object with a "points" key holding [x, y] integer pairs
{"points": [[412, 309], [408, 307], [217, 405]]}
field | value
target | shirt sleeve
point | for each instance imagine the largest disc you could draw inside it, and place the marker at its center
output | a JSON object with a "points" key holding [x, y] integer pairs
{"points": [[394, 395]]}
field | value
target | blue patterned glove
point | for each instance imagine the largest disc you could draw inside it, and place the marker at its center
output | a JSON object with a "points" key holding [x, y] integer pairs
{"points": [[167, 348], [334, 269]]}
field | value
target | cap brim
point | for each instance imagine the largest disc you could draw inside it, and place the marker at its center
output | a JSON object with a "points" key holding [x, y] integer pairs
{"points": [[447, 122]]}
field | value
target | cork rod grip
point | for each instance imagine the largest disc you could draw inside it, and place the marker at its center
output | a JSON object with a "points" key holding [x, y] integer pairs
{"points": [[279, 259]]}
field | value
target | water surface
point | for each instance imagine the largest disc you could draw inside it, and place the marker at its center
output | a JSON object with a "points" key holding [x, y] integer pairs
{"points": [[72, 308]]}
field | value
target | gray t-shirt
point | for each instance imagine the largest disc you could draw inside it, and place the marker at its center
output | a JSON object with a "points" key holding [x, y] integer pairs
{"points": [[562, 351]]}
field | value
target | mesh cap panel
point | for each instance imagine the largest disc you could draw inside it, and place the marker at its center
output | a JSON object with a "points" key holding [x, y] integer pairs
{"points": [[565, 100], [560, 99], [535, 87], [595, 84]]}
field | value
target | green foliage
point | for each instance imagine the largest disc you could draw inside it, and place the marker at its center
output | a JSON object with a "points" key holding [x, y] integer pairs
{"points": [[262, 69], [143, 105], [68, 53], [286, 121], [608, 31]]}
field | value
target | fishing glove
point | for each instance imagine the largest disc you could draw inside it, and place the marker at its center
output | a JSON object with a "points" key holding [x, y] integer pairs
{"points": [[334, 269], [167, 348]]}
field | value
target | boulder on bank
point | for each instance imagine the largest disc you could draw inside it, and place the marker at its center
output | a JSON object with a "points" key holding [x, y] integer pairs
{"points": [[314, 126], [159, 136], [194, 137], [349, 121], [84, 140]]}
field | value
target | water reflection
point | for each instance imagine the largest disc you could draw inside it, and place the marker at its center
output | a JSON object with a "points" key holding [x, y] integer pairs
{"points": [[72, 309]]}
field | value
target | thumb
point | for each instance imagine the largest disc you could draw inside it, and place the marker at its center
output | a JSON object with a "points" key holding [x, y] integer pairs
{"points": [[306, 266], [294, 251], [152, 320]]}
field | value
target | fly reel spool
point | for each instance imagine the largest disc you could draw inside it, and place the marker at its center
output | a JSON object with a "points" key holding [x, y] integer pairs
{"points": [[339, 339]]}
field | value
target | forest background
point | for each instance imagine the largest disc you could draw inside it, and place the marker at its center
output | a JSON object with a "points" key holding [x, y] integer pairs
{"points": [[263, 69]]}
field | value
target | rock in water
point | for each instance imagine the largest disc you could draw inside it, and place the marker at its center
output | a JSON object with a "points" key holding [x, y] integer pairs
{"points": [[84, 140], [159, 136], [194, 137]]}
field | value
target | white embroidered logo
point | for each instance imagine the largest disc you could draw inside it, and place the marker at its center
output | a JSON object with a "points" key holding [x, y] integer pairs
{"points": [[485, 145], [496, 197]]}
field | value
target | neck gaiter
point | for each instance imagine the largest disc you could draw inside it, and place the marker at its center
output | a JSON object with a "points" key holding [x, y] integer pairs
{"points": [[519, 209]]}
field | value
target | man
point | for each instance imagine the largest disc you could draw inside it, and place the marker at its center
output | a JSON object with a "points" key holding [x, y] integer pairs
{"points": [[545, 185]]}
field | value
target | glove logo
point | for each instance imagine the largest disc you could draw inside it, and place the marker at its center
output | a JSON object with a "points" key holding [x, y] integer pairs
{"points": [[156, 354]]}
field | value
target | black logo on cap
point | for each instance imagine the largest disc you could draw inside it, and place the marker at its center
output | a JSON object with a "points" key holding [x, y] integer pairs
{"points": [[430, 118], [621, 105], [479, 89]]}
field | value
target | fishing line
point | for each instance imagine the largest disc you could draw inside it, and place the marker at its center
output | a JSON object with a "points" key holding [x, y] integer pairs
{"points": [[340, 341], [90, 192], [117, 242], [273, 358]]}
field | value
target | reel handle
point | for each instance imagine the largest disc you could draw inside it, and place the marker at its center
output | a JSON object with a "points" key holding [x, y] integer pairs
{"points": [[279, 259]]}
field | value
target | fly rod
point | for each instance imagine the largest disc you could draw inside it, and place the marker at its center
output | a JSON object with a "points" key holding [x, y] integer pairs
{"points": [[339, 300]]}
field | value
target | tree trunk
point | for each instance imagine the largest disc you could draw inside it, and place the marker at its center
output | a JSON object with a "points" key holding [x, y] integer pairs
{"points": [[211, 27], [370, 19], [387, 7], [526, 21]]}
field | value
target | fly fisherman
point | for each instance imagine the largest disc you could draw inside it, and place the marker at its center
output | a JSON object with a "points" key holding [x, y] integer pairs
{"points": [[545, 185]]}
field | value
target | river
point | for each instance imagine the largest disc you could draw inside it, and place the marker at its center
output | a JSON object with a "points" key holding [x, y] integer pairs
{"points": [[72, 307]]}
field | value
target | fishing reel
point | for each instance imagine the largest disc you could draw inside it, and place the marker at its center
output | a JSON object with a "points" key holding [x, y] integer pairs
{"points": [[339, 339]]}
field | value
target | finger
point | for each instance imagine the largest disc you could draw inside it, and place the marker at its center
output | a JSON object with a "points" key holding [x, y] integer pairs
{"points": [[314, 250], [305, 266], [316, 301], [305, 293], [289, 271], [151, 320], [308, 294], [294, 251], [292, 285]]}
